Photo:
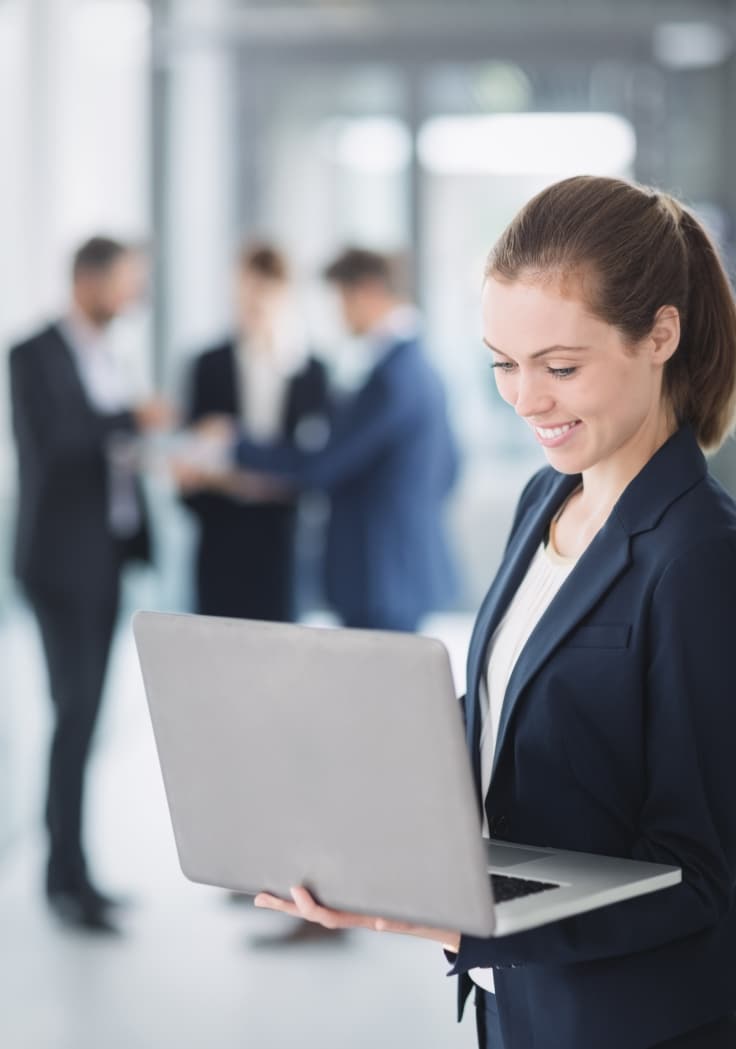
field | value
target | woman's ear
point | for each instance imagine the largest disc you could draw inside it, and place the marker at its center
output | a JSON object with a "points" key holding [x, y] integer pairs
{"points": [[664, 337]]}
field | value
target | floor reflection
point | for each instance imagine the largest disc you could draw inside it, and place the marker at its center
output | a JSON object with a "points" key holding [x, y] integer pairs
{"points": [[186, 972]]}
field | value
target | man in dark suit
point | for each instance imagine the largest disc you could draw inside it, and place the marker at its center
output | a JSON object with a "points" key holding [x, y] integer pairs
{"points": [[80, 518], [388, 465]]}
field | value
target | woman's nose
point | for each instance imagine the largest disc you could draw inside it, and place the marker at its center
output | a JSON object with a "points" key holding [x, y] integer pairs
{"points": [[533, 397]]}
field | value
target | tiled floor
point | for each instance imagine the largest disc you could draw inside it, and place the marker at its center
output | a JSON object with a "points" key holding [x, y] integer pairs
{"points": [[184, 974]]}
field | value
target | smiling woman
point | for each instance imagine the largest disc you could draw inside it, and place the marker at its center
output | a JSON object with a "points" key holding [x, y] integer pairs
{"points": [[612, 331], [602, 359], [593, 401]]}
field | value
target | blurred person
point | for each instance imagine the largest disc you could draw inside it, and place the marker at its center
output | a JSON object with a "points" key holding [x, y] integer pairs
{"points": [[600, 707], [263, 379], [81, 518], [388, 464]]}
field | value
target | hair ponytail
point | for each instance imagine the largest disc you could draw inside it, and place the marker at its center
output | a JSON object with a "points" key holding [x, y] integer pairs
{"points": [[700, 379], [638, 250]]}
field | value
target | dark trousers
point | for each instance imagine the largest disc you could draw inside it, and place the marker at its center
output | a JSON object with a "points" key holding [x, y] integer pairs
{"points": [[718, 1035], [245, 564], [76, 633]]}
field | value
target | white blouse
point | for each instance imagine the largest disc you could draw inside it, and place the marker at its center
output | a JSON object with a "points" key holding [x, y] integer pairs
{"points": [[547, 572]]}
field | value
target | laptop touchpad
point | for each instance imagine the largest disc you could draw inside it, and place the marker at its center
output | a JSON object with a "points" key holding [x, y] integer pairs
{"points": [[508, 856]]}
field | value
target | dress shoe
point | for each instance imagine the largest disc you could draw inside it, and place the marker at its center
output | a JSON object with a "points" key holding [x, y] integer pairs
{"points": [[102, 899], [78, 911]]}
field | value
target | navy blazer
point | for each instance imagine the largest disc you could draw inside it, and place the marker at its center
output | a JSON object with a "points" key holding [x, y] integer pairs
{"points": [[618, 736], [388, 464], [63, 539]]}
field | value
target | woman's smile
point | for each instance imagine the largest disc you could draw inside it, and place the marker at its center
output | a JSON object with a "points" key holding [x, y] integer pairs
{"points": [[556, 435]]}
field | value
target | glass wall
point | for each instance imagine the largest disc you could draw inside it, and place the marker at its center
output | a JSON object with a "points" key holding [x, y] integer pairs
{"points": [[425, 159]]}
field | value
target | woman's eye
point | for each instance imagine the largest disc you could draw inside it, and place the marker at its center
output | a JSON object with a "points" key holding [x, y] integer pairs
{"points": [[562, 373], [505, 366]]}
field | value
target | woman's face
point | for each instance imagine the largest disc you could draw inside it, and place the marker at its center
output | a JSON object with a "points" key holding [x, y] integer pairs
{"points": [[259, 302], [587, 395]]}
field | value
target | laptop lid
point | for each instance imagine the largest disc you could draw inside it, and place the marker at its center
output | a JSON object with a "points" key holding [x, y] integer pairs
{"points": [[334, 759]]}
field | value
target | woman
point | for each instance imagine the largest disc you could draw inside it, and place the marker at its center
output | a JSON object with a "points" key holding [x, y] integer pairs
{"points": [[263, 378], [600, 673]]}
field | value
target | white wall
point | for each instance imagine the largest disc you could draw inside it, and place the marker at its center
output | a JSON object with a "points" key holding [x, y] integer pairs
{"points": [[74, 134]]}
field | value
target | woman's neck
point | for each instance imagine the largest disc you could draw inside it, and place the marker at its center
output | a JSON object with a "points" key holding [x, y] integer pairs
{"points": [[588, 508]]}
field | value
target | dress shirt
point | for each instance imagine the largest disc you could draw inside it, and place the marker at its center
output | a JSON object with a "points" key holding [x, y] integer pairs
{"points": [[108, 391], [103, 378]]}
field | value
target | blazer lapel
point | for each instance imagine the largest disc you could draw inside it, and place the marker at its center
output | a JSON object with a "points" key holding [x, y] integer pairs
{"points": [[605, 559], [517, 557], [66, 377], [677, 466]]}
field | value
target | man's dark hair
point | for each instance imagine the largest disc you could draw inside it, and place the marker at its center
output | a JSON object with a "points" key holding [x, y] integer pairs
{"points": [[355, 265], [97, 255]]}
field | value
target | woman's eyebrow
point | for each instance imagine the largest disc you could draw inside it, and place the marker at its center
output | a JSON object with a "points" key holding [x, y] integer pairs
{"points": [[541, 353]]}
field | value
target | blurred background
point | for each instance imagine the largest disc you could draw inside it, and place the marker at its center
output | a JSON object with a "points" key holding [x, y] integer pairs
{"points": [[411, 128]]}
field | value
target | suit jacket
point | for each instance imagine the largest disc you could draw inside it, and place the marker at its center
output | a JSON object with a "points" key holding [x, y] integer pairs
{"points": [[617, 737], [245, 550], [64, 544], [388, 465]]}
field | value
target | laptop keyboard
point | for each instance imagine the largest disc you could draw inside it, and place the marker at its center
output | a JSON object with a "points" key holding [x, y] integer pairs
{"points": [[505, 888]]}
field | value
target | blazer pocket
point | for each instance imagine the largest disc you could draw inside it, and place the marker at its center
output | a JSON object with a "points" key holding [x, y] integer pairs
{"points": [[600, 635]]}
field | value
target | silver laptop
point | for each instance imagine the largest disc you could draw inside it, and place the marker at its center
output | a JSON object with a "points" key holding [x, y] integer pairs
{"points": [[336, 759]]}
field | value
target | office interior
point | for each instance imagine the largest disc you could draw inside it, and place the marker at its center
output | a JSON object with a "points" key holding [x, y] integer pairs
{"points": [[413, 128]]}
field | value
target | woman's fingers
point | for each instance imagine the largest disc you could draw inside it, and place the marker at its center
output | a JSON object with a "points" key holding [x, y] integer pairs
{"points": [[303, 905], [309, 909], [275, 903]]}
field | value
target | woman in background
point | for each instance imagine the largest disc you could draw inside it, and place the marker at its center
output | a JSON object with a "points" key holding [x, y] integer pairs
{"points": [[264, 379]]}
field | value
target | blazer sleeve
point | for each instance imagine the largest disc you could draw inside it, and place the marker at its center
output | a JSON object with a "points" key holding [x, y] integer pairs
{"points": [[688, 817], [55, 432], [361, 431]]}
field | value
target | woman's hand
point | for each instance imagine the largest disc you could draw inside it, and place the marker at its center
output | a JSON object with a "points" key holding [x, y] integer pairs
{"points": [[303, 905]]}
